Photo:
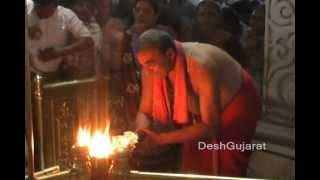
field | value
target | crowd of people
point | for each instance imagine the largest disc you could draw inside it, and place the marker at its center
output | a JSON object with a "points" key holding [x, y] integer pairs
{"points": [[211, 21], [76, 39]]}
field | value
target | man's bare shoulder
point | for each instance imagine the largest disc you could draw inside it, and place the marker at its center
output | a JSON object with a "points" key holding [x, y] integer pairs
{"points": [[198, 49], [201, 47], [203, 55]]}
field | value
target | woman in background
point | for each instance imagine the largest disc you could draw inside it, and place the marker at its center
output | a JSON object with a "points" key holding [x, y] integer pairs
{"points": [[211, 28], [146, 15]]}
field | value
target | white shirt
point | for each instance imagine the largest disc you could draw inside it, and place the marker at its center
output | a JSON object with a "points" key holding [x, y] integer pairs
{"points": [[29, 4], [96, 33], [54, 33]]}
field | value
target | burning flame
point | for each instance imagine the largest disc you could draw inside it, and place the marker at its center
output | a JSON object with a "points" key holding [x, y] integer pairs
{"points": [[83, 137], [101, 145]]}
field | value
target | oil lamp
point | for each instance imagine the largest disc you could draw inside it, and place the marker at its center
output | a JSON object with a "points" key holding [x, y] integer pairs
{"points": [[100, 151], [81, 151], [101, 155]]}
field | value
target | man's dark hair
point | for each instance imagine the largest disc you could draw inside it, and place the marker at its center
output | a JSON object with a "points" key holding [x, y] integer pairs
{"points": [[210, 3], [70, 3], [231, 21], [154, 38], [42, 3], [153, 3]]}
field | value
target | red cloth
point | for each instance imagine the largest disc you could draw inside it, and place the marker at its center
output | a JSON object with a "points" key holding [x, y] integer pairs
{"points": [[161, 104], [238, 124]]}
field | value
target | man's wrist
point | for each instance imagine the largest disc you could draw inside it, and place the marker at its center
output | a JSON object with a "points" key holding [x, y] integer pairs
{"points": [[161, 139]]}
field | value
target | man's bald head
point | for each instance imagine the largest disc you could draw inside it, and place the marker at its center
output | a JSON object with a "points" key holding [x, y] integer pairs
{"points": [[156, 52], [156, 39]]}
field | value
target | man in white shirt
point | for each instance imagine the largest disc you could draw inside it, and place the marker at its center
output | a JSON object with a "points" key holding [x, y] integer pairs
{"points": [[49, 25]]}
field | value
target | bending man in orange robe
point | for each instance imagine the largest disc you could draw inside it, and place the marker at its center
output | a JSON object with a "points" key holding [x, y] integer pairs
{"points": [[205, 93]]}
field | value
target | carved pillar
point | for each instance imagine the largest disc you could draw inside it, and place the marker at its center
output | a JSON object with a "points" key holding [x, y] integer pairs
{"points": [[278, 123], [279, 77]]}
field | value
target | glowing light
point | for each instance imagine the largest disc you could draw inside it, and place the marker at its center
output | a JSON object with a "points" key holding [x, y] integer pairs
{"points": [[83, 137], [100, 145]]}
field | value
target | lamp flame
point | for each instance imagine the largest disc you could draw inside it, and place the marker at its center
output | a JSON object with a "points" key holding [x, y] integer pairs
{"points": [[101, 145], [83, 137]]}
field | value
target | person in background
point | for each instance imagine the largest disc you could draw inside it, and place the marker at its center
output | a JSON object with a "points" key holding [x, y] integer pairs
{"points": [[119, 61], [210, 28], [178, 14], [86, 11], [123, 87], [104, 11], [29, 5], [195, 92], [232, 23], [123, 10], [49, 25], [254, 44], [244, 8], [85, 64], [146, 15]]}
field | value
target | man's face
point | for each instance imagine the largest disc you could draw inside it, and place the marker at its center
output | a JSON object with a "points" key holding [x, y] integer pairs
{"points": [[155, 61], [83, 10], [45, 11], [145, 14]]}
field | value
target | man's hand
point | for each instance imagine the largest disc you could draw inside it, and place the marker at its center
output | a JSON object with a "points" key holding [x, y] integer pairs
{"points": [[149, 143], [50, 53], [153, 138]]}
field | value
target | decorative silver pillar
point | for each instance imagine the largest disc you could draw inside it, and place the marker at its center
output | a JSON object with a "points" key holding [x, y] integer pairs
{"points": [[278, 123], [279, 77]]}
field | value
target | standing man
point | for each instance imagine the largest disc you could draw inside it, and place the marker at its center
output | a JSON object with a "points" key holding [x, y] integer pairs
{"points": [[205, 93], [49, 25]]}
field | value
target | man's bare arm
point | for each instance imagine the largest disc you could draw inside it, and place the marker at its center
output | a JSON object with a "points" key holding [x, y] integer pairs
{"points": [[145, 108], [55, 52], [80, 44]]}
